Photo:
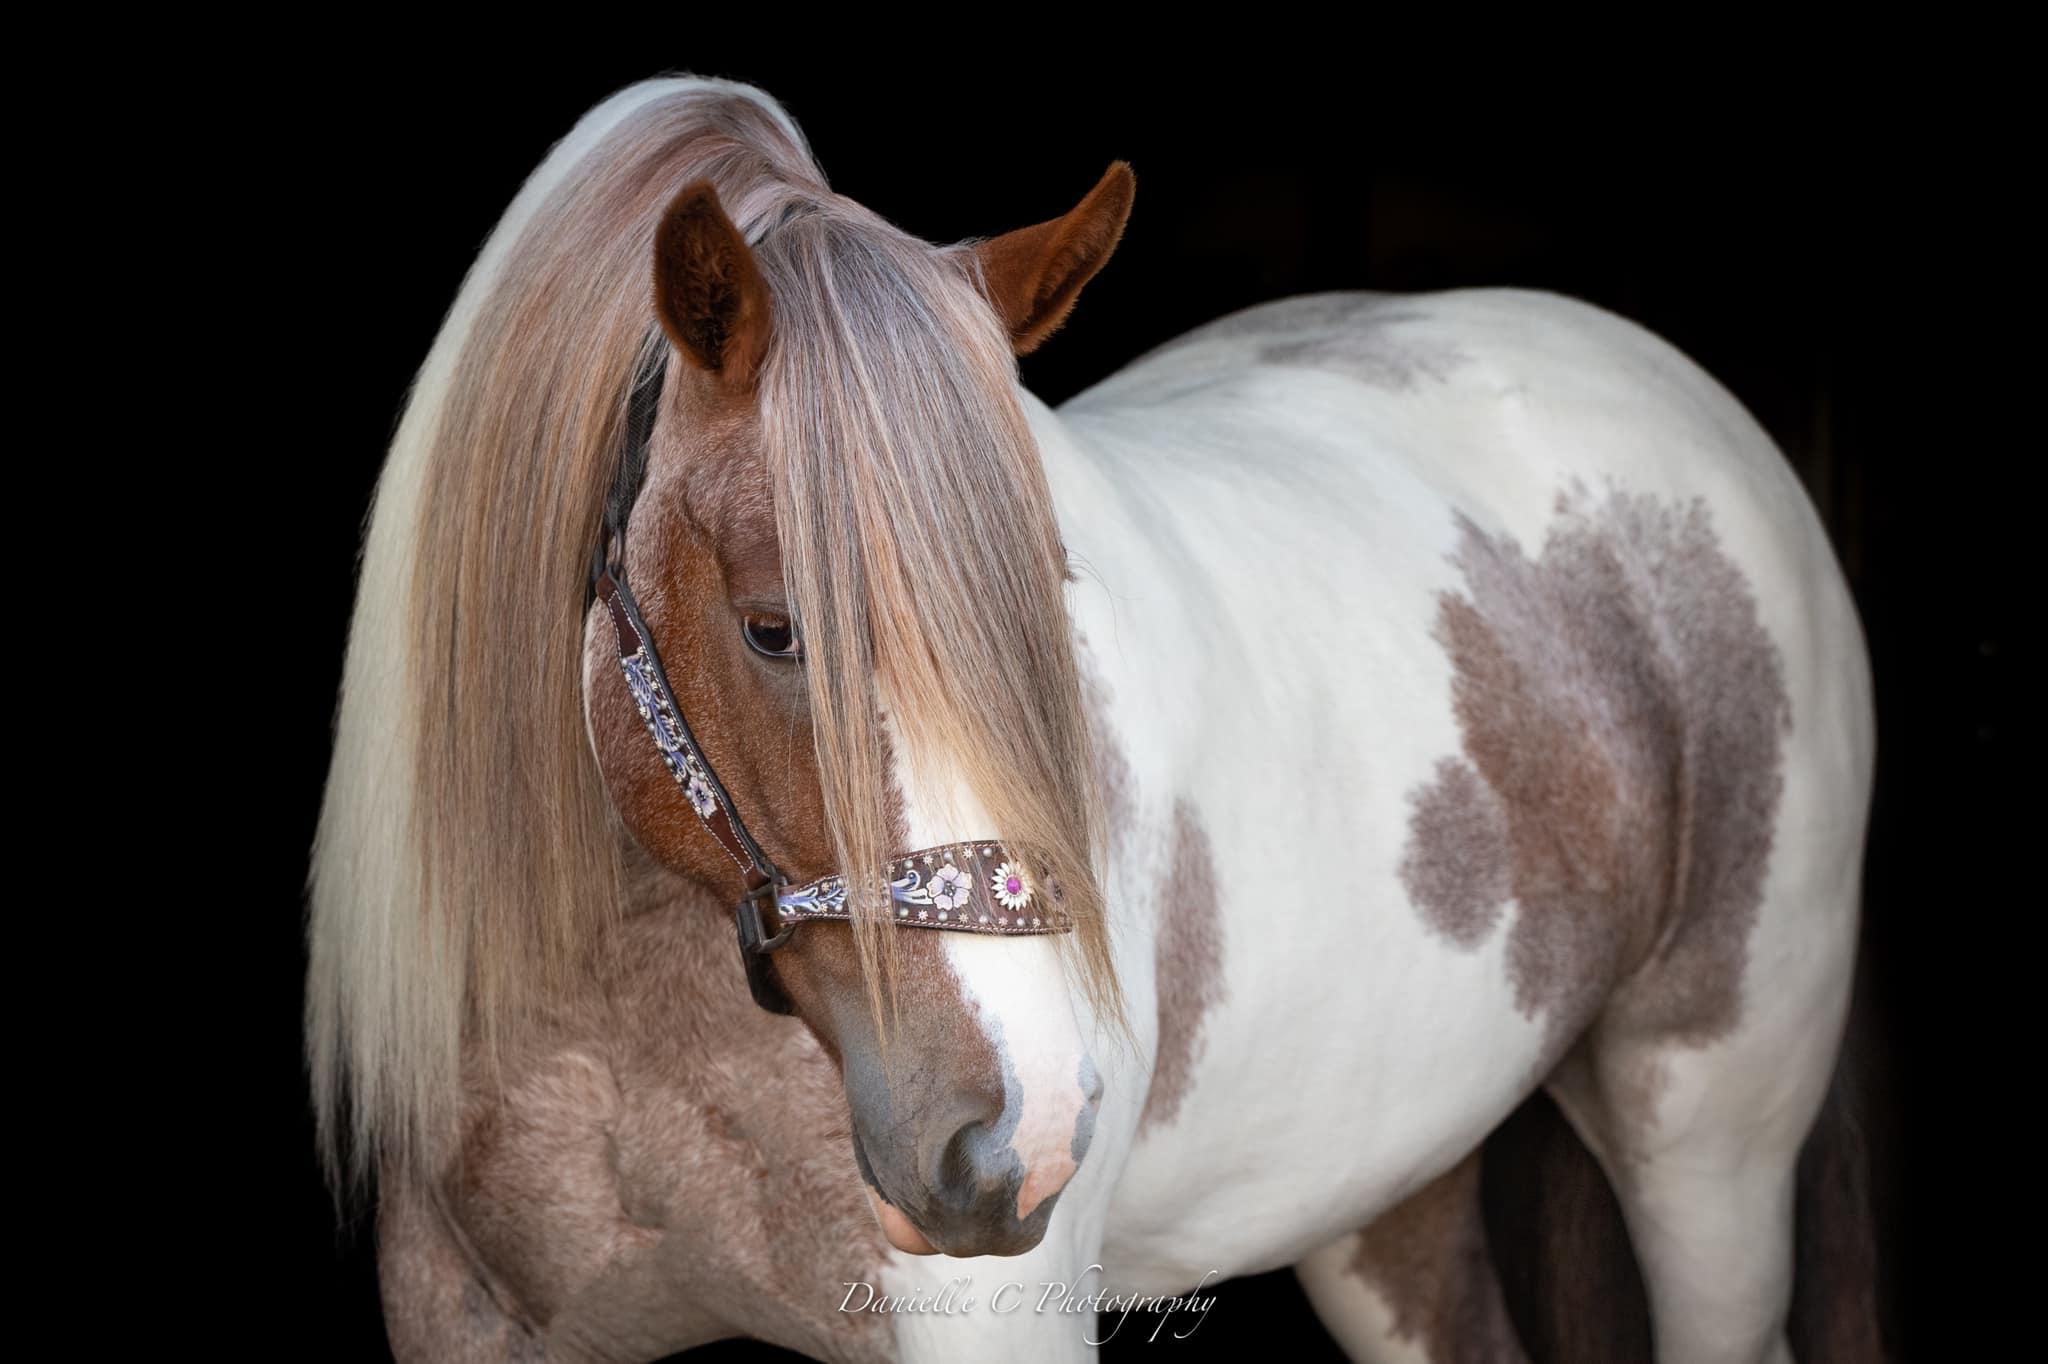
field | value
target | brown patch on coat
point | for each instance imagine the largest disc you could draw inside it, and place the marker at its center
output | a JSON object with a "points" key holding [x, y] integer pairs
{"points": [[1367, 345], [1279, 316], [1427, 1258], [635, 1189], [1622, 711], [1633, 1085], [438, 1302], [1458, 869], [1188, 961], [534, 1149], [1112, 770], [1353, 333]]}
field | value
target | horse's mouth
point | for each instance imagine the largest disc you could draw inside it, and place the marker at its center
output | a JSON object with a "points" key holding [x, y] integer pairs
{"points": [[904, 1234], [896, 1224]]}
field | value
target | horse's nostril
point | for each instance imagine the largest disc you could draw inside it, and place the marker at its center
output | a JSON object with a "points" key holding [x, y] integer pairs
{"points": [[974, 1166], [957, 1163]]}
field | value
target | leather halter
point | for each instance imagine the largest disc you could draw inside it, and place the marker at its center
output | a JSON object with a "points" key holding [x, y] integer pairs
{"points": [[971, 887]]}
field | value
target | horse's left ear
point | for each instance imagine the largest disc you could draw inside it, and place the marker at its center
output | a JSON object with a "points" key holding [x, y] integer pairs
{"points": [[709, 293], [1033, 275]]}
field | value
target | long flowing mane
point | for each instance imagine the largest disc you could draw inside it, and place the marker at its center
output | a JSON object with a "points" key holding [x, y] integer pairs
{"points": [[889, 407], [466, 858]]}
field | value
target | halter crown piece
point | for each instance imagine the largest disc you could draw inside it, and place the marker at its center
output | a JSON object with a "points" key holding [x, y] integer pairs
{"points": [[970, 887]]}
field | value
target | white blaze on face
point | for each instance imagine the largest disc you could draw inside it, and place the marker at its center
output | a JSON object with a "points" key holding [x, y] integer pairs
{"points": [[1016, 988]]}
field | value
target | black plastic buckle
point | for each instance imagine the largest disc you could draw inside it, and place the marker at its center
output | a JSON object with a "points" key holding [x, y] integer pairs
{"points": [[755, 945]]}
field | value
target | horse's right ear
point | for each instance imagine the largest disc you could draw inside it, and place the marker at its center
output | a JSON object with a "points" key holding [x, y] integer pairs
{"points": [[1033, 275], [710, 295]]}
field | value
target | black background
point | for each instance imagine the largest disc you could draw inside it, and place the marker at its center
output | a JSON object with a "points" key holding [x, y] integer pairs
{"points": [[1831, 246]]}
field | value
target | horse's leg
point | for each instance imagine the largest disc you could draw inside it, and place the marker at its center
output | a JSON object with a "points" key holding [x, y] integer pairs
{"points": [[1419, 1283], [1710, 1217], [1701, 1143], [436, 1305]]}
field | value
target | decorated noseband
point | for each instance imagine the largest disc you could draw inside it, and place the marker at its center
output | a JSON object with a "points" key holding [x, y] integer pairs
{"points": [[972, 887]]}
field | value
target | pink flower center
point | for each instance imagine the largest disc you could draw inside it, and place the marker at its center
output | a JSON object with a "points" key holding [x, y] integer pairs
{"points": [[1013, 885]]}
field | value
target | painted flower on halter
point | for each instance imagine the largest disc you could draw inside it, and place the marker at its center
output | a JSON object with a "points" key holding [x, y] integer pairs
{"points": [[701, 799], [1012, 889], [950, 887]]}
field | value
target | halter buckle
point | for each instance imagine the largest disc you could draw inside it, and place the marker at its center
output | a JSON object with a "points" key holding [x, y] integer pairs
{"points": [[756, 944]]}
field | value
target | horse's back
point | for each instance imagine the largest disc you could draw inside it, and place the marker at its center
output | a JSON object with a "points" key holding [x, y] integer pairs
{"points": [[1496, 408], [1496, 396]]}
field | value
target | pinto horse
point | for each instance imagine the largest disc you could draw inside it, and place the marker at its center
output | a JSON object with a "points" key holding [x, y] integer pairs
{"points": [[1381, 707]]}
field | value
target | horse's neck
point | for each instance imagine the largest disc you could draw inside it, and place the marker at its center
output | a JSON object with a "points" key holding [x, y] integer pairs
{"points": [[1141, 588]]}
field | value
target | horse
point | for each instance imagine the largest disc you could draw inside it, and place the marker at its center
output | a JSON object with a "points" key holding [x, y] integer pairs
{"points": [[1383, 707]]}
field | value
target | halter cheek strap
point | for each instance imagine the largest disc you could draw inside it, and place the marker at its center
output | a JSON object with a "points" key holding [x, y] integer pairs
{"points": [[975, 887], [655, 701]]}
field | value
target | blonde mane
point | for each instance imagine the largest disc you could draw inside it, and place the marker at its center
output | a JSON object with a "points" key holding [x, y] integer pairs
{"points": [[889, 406], [466, 859]]}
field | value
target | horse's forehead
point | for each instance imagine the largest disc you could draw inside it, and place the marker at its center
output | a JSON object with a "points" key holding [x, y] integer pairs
{"points": [[709, 464]]}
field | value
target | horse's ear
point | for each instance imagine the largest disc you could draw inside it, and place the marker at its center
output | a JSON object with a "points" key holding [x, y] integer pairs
{"points": [[710, 295], [1033, 275]]}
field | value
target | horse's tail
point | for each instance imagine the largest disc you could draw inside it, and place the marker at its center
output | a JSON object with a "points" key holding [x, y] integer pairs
{"points": [[1559, 1243], [1839, 1306], [1570, 1277]]}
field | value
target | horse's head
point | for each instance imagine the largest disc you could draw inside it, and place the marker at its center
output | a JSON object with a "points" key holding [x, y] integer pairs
{"points": [[844, 547]]}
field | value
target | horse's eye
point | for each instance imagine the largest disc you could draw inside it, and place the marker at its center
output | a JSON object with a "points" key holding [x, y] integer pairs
{"points": [[771, 636]]}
